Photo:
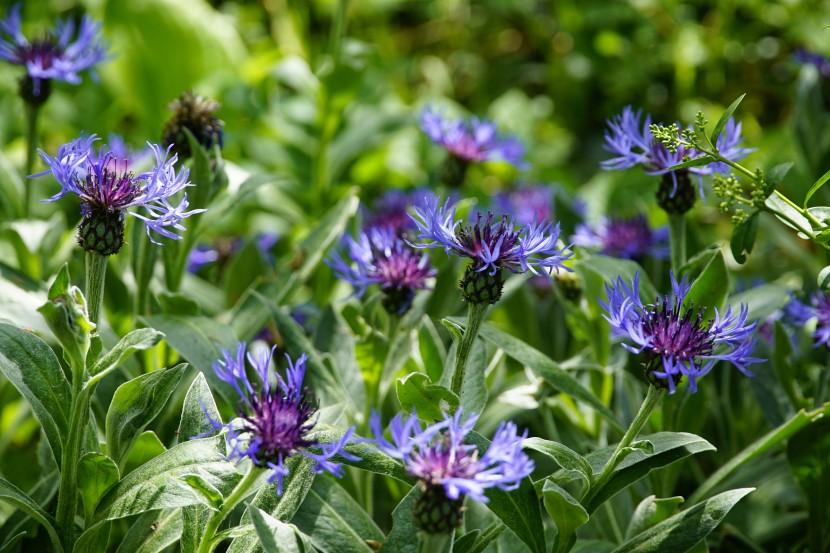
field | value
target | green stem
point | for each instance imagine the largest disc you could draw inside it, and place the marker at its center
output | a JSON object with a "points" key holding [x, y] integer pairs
{"points": [[433, 543], [652, 399], [68, 492], [32, 112], [240, 492], [475, 316], [96, 270], [677, 238]]}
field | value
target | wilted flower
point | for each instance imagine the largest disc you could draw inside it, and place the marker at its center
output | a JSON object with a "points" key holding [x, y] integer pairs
{"points": [[275, 421], [799, 314], [107, 189], [59, 55], [675, 339], [194, 113], [528, 204], [631, 238], [379, 256], [448, 469]]}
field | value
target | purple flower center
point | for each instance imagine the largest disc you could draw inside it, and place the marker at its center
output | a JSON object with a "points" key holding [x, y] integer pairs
{"points": [[679, 337], [41, 53], [279, 423], [467, 148], [441, 461], [402, 269], [110, 190], [487, 239]]}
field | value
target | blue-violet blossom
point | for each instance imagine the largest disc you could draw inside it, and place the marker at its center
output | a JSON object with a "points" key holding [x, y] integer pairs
{"points": [[676, 339], [630, 238], [821, 63], [798, 313], [528, 204], [276, 421]]}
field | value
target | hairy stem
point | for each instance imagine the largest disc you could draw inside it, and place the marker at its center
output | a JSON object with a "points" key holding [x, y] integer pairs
{"points": [[32, 113], [240, 492], [96, 270], [475, 316]]}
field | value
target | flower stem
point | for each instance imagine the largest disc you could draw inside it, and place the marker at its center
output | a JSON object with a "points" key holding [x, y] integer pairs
{"points": [[96, 270], [652, 399], [475, 316], [677, 240], [68, 492], [239, 493], [32, 112], [434, 543]]}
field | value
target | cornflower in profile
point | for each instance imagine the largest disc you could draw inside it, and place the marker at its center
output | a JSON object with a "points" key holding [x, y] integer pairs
{"points": [[275, 421], [380, 256], [448, 469], [107, 189], [799, 314], [630, 238], [675, 340], [60, 55]]}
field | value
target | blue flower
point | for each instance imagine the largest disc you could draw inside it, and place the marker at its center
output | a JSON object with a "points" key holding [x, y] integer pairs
{"points": [[380, 256], [491, 246], [474, 140], [633, 144], [391, 210], [821, 63], [439, 457], [276, 421], [528, 204], [798, 314], [676, 341], [59, 55], [631, 238], [107, 188]]}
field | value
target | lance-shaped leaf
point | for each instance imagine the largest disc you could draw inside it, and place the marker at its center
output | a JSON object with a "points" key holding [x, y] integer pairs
{"points": [[11, 494], [143, 338]]}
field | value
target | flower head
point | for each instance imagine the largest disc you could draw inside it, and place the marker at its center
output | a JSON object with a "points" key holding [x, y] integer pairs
{"points": [[631, 238], [472, 141], [798, 314], [107, 189], [60, 54], [391, 210], [194, 113], [528, 204], [806, 57], [675, 339], [276, 417], [447, 467], [380, 256]]}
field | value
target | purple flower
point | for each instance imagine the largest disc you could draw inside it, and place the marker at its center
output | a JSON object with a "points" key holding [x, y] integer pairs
{"points": [[821, 63], [491, 245], [107, 188], [122, 151], [528, 204], [798, 314], [439, 457], [276, 421], [474, 140], [391, 210], [675, 339], [633, 144], [630, 238], [59, 55], [380, 256]]}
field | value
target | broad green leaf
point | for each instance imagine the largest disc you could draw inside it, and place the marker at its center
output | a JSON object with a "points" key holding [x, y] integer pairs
{"points": [[32, 367], [567, 514], [137, 340], [97, 473], [146, 447], [403, 538], [276, 536], [710, 287], [156, 485], [808, 451], [334, 521], [565, 457], [198, 406], [724, 119], [20, 298], [743, 238], [135, 404], [519, 510], [684, 530], [668, 448], [153, 532], [11, 494], [609, 268], [200, 485], [431, 401], [546, 368], [651, 511]]}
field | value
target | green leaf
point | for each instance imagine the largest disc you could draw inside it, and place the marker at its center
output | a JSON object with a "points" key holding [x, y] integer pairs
{"points": [[743, 238], [823, 279], [135, 404], [431, 401], [334, 521], [146, 447], [565, 457], [276, 536], [668, 448], [41, 493], [790, 216], [762, 301], [815, 188], [97, 473], [477, 541], [546, 368], [724, 119], [32, 367], [10, 542], [204, 488], [651, 511], [403, 538], [137, 340], [11, 494], [153, 532], [710, 288], [567, 514], [807, 453], [334, 337], [684, 530], [156, 485], [198, 406]]}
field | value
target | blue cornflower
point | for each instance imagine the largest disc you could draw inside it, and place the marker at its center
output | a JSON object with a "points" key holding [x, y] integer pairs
{"points": [[475, 140], [275, 422], [528, 204], [806, 57], [59, 55], [798, 314], [630, 238], [107, 189], [380, 256], [491, 246], [676, 340], [633, 144], [447, 468]]}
